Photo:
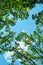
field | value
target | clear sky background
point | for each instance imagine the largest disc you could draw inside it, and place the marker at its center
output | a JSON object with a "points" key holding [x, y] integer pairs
{"points": [[27, 25]]}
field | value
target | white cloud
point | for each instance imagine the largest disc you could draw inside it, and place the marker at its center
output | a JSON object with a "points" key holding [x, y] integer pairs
{"points": [[19, 60], [8, 55], [26, 48], [24, 31], [22, 45]]}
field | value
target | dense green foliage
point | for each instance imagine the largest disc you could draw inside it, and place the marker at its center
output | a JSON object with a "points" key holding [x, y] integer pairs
{"points": [[19, 9]]}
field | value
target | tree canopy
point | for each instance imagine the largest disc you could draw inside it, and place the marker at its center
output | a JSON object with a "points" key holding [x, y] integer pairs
{"points": [[33, 42]]}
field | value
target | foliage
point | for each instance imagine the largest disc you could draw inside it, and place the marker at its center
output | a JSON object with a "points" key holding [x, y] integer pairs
{"points": [[33, 43], [38, 18]]}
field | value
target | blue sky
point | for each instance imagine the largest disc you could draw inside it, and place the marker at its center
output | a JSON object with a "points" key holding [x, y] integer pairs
{"points": [[27, 25]]}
